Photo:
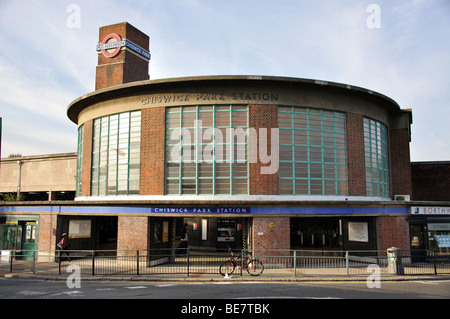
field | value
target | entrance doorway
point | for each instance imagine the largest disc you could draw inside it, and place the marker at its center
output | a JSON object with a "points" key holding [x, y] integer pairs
{"points": [[20, 236], [215, 233], [315, 233], [90, 233]]}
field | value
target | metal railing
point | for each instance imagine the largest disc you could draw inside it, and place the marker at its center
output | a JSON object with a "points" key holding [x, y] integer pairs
{"points": [[196, 262]]}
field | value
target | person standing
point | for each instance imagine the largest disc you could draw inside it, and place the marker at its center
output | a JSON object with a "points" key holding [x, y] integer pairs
{"points": [[63, 246], [184, 238]]}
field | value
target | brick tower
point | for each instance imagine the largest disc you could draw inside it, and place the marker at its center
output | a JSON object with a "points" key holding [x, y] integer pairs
{"points": [[123, 55]]}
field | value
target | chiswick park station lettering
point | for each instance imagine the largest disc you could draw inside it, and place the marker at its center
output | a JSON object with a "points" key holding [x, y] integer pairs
{"points": [[202, 210], [198, 97]]}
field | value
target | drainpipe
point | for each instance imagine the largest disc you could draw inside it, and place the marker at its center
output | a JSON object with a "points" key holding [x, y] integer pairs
{"points": [[19, 179]]}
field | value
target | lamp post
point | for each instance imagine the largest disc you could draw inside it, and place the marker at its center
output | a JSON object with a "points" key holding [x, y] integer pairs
{"points": [[19, 179]]}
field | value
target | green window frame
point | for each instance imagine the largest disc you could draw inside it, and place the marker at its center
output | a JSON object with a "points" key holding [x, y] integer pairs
{"points": [[116, 154], [224, 171], [376, 158], [313, 151], [79, 160]]}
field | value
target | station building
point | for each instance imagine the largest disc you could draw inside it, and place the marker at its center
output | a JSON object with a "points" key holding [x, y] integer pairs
{"points": [[257, 162]]}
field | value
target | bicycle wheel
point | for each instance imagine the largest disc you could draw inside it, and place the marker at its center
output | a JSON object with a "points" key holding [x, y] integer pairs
{"points": [[227, 268], [255, 267]]}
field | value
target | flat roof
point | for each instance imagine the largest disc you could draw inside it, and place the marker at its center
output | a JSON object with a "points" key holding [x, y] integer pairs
{"points": [[129, 89]]}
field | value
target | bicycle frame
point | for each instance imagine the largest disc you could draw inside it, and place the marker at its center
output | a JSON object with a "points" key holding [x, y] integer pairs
{"points": [[229, 266], [237, 263]]}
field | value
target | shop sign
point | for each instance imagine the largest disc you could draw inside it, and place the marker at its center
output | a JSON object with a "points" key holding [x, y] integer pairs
{"points": [[430, 210], [438, 227]]}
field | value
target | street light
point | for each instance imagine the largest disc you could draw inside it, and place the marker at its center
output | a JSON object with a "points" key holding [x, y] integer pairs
{"points": [[19, 179]]}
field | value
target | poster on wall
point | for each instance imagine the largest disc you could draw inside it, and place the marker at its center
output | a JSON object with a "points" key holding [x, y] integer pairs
{"points": [[358, 232], [165, 237], [160, 232], [80, 228]]}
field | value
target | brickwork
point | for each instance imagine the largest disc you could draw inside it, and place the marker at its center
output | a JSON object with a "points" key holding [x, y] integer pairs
{"points": [[152, 151], [268, 232], [431, 181], [355, 155], [47, 229], [125, 66], [271, 233], [400, 165], [262, 116], [136, 69], [393, 231], [87, 158], [132, 234]]}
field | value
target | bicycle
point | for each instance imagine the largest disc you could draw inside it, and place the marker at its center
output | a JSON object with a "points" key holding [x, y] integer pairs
{"points": [[253, 266]]}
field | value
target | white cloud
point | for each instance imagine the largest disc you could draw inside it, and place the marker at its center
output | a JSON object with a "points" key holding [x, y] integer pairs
{"points": [[45, 64]]}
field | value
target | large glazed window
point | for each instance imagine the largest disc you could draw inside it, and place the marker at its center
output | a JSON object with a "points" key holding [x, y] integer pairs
{"points": [[313, 152], [116, 154], [206, 150], [79, 160], [376, 156]]}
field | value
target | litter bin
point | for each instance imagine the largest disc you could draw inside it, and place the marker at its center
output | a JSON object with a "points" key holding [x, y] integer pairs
{"points": [[395, 266]]}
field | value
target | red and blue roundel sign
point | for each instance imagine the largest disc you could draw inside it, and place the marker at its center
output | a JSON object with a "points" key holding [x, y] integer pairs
{"points": [[111, 45]]}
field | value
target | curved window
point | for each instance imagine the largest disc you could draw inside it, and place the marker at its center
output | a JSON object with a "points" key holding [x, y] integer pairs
{"points": [[116, 154], [206, 150], [313, 152], [376, 157], [79, 160]]}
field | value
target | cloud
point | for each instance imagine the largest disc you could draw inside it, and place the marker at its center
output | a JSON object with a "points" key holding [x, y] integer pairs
{"points": [[45, 64]]}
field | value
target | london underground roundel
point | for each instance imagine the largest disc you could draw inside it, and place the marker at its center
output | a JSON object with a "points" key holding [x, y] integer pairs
{"points": [[111, 45]]}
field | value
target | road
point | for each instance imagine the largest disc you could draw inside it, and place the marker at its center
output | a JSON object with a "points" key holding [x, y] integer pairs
{"points": [[15, 288], [218, 299]]}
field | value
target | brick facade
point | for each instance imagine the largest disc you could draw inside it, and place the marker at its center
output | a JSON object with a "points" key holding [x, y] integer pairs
{"points": [[262, 117], [152, 151], [431, 181], [125, 66], [271, 233], [132, 234], [268, 232], [399, 164], [392, 231], [87, 158], [355, 155], [47, 229]]}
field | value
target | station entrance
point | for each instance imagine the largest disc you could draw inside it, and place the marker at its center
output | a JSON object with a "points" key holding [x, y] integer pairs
{"points": [[215, 233], [322, 233], [89, 232]]}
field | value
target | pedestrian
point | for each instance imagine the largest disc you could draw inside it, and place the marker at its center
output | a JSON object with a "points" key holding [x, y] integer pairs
{"points": [[63, 246], [184, 238]]}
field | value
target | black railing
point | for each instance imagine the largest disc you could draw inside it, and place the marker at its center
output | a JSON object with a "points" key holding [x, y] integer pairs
{"points": [[189, 262]]}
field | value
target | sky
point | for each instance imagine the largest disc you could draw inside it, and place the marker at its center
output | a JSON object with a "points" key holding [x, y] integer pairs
{"points": [[397, 48]]}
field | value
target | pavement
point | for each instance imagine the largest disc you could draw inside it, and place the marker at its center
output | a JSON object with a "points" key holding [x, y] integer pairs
{"points": [[269, 275], [50, 271]]}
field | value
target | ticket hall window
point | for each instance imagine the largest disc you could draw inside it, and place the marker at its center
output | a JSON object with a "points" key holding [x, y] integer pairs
{"points": [[116, 154], [79, 159], [376, 158], [313, 152], [206, 150]]}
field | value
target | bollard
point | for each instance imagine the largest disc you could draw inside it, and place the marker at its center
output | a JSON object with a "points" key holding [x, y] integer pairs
{"points": [[295, 263], [34, 261], [137, 262], [93, 263], [395, 266]]}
